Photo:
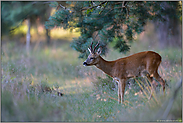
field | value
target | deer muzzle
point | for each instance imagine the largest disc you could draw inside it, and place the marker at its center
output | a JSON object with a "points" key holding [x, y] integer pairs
{"points": [[85, 64]]}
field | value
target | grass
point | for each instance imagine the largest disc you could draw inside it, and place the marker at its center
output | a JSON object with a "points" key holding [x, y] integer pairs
{"points": [[88, 93]]}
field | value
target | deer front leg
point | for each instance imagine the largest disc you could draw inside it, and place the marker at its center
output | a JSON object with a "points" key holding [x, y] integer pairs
{"points": [[121, 90], [123, 84]]}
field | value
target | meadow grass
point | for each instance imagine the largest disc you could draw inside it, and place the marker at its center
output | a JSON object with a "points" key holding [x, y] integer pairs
{"points": [[89, 95]]}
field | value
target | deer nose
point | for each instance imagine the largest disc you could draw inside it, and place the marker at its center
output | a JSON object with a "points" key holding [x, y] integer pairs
{"points": [[84, 63]]}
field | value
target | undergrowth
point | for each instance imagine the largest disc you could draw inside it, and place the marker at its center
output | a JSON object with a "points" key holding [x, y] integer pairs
{"points": [[30, 86]]}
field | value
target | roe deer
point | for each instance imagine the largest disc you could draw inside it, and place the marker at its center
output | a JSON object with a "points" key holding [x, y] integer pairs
{"points": [[120, 70]]}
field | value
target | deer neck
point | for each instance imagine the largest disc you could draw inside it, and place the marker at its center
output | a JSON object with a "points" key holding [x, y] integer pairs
{"points": [[105, 66]]}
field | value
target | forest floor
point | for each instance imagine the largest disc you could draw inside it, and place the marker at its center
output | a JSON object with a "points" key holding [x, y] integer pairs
{"points": [[88, 92]]}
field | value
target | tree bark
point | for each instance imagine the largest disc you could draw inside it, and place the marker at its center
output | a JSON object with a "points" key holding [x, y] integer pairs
{"points": [[28, 36], [169, 33], [48, 36]]}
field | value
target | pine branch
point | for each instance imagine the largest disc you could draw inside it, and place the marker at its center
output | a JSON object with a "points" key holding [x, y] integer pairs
{"points": [[123, 6], [86, 8], [64, 8], [41, 2], [103, 9]]}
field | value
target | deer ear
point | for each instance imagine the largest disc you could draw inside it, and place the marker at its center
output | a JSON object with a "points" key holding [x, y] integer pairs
{"points": [[99, 51], [89, 50]]}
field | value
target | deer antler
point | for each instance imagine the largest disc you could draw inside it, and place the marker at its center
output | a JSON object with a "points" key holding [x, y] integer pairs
{"points": [[95, 46], [91, 46], [93, 50]]}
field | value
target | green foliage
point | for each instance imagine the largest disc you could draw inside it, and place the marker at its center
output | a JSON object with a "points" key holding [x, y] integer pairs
{"points": [[60, 19], [14, 13], [121, 45], [113, 21]]}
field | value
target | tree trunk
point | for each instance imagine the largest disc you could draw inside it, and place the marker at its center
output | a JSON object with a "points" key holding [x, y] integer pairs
{"points": [[169, 33], [48, 36], [28, 36]]}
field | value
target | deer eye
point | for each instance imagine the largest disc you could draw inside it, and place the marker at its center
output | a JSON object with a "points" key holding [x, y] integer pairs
{"points": [[91, 58]]}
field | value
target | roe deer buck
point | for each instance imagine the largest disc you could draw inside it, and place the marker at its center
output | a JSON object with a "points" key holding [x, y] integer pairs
{"points": [[132, 66]]}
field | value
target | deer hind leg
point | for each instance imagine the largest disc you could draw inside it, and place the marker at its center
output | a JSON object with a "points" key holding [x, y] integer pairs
{"points": [[160, 80]]}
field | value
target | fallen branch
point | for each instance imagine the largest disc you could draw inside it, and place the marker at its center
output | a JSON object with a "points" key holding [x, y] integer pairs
{"points": [[165, 114], [168, 104], [112, 98]]}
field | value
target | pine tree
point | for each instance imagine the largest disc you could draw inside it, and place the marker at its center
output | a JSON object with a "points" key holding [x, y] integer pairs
{"points": [[108, 21], [15, 12]]}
